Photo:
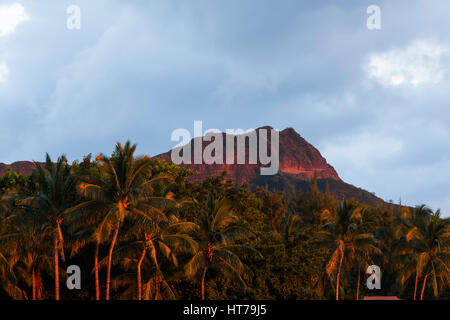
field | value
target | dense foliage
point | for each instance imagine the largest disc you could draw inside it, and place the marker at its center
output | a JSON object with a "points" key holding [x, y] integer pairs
{"points": [[139, 229]]}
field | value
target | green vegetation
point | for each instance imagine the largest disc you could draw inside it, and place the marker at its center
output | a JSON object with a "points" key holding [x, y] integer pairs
{"points": [[139, 229]]}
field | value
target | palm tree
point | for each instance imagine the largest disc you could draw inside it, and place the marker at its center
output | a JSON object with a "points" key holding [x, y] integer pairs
{"points": [[123, 188], [407, 262], [83, 220], [157, 235], [18, 230], [406, 255], [410, 250], [217, 236], [429, 240], [54, 196], [341, 231], [29, 250], [363, 255]]}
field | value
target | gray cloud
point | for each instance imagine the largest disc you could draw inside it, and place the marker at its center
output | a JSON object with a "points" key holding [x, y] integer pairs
{"points": [[139, 69]]}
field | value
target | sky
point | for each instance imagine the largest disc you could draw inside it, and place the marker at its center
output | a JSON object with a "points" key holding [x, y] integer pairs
{"points": [[375, 102]]}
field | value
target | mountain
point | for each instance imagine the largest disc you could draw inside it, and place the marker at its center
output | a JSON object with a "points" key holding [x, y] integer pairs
{"points": [[25, 167], [299, 162]]}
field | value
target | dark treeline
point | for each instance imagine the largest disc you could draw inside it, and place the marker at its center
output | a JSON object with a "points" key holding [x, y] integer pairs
{"points": [[138, 229]]}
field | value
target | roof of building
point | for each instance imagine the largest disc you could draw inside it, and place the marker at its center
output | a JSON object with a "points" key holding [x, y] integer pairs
{"points": [[381, 298]]}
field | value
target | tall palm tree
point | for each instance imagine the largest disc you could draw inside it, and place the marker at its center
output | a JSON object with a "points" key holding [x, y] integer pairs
{"points": [[411, 224], [429, 241], [54, 196], [157, 235], [218, 246], [405, 255], [123, 188], [364, 255], [30, 252], [406, 259], [83, 220], [21, 239], [341, 231]]}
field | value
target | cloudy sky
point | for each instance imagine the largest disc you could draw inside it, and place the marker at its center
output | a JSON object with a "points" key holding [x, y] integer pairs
{"points": [[375, 102]]}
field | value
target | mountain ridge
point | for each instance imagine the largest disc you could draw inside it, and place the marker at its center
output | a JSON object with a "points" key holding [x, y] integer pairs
{"points": [[25, 167], [296, 157], [299, 162]]}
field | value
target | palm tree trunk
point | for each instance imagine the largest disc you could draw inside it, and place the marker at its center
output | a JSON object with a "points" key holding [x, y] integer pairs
{"points": [[359, 278], [55, 249], [139, 285], [415, 285], [203, 281], [338, 276], [111, 248], [33, 277], [38, 288], [157, 287], [97, 286], [423, 286]]}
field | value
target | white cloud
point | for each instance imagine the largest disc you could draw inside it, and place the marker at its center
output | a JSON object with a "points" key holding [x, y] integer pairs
{"points": [[417, 64], [10, 16], [3, 72]]}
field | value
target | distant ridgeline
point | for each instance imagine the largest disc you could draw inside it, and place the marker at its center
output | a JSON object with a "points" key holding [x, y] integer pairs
{"points": [[299, 163]]}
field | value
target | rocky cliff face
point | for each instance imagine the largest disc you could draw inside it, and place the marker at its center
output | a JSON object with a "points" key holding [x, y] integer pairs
{"points": [[300, 158], [296, 157], [298, 163]]}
